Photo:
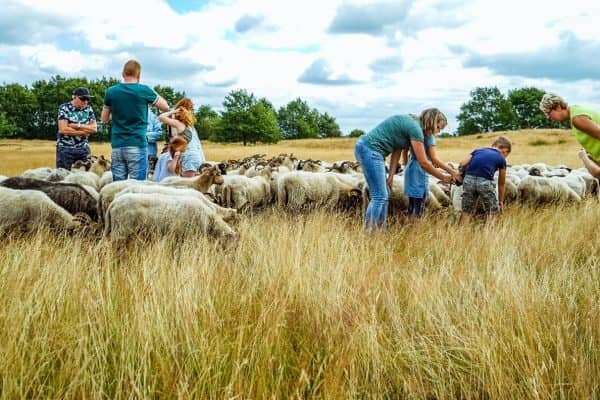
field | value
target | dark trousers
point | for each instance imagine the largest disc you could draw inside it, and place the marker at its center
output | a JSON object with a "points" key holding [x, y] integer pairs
{"points": [[66, 156]]}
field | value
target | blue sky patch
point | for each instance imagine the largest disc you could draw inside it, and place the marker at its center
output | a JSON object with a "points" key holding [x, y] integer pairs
{"points": [[185, 6]]}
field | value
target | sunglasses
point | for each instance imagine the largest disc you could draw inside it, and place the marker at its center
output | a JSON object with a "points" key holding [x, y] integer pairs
{"points": [[85, 99]]}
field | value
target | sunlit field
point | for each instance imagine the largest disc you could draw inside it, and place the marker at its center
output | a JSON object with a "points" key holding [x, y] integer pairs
{"points": [[310, 306]]}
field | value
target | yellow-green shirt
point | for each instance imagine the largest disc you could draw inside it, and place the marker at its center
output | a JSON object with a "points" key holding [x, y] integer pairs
{"points": [[589, 143]]}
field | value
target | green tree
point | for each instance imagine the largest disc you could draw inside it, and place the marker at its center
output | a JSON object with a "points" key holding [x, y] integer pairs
{"points": [[298, 121], [356, 132], [207, 122], [7, 128], [169, 94], [246, 119], [328, 127], [525, 102], [20, 108], [487, 111]]}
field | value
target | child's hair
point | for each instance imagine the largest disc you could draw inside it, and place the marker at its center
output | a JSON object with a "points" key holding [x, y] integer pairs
{"points": [[502, 143], [186, 114], [177, 144], [429, 119]]}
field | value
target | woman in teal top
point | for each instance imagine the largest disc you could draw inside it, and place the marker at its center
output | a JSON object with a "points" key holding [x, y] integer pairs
{"points": [[585, 124], [390, 137]]}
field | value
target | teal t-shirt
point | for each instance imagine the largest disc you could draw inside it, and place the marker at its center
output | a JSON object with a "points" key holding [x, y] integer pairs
{"points": [[128, 103], [589, 143], [393, 133]]}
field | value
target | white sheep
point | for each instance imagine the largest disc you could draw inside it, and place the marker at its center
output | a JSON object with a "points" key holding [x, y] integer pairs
{"points": [[542, 190], [108, 193], [84, 178], [28, 210], [242, 192], [300, 190], [142, 216]]}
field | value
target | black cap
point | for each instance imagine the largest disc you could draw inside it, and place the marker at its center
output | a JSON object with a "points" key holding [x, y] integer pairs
{"points": [[82, 92]]}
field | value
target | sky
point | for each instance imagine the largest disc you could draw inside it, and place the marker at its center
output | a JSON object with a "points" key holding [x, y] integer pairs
{"points": [[359, 61]]}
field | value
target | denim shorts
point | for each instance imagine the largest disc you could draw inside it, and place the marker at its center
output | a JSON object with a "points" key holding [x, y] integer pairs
{"points": [[129, 163], [66, 156], [474, 188]]}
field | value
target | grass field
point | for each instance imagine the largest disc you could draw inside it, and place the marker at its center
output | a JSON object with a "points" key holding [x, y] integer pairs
{"points": [[309, 306]]}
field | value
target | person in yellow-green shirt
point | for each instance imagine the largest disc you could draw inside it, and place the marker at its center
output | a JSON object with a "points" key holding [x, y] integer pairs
{"points": [[585, 124]]}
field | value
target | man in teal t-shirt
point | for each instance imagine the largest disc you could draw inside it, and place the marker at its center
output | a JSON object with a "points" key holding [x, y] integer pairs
{"points": [[585, 125], [126, 104]]}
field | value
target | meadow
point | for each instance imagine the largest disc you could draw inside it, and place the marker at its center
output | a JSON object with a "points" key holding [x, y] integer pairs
{"points": [[310, 306]]}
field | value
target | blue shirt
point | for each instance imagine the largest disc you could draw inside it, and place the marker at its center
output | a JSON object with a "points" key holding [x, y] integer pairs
{"points": [[393, 133], [485, 162], [416, 179], [153, 133]]}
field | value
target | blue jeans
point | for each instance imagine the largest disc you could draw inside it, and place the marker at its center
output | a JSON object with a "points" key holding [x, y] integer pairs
{"points": [[373, 166], [416, 207], [129, 162]]}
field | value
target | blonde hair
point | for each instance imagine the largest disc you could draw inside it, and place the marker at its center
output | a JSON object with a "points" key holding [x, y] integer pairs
{"points": [[430, 118], [132, 68], [550, 101], [502, 143], [186, 112]]}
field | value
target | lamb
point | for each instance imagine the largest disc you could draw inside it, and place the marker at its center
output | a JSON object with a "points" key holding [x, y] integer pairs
{"points": [[29, 210], [541, 190], [300, 190], [72, 197], [3, 178], [141, 215]]}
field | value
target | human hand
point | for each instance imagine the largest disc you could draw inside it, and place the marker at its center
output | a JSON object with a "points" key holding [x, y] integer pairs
{"points": [[390, 181], [582, 154], [446, 178], [457, 176], [177, 154]]}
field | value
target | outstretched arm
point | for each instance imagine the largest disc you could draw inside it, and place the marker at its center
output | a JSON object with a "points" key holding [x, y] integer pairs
{"points": [[440, 164], [585, 124], [419, 150]]}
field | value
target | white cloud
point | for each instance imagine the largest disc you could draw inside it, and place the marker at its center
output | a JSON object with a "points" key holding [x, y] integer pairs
{"points": [[413, 56]]}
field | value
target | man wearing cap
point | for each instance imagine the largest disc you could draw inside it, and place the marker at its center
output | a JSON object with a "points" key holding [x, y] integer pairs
{"points": [[76, 121], [126, 104], [585, 125]]}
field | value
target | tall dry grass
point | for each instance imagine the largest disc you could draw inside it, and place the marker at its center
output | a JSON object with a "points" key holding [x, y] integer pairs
{"points": [[309, 306]]}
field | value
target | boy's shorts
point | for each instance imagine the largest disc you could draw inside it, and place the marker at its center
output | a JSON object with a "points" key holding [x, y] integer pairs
{"points": [[475, 187]]}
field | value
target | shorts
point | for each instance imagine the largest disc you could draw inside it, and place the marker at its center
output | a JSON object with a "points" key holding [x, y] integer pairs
{"points": [[475, 187]]}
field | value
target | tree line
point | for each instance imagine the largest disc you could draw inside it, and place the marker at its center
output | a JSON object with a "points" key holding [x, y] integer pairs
{"points": [[31, 113]]}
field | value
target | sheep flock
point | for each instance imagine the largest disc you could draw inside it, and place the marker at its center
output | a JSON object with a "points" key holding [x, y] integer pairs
{"points": [[212, 202]]}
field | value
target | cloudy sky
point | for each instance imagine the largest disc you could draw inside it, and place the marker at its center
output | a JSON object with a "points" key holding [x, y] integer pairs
{"points": [[360, 61]]}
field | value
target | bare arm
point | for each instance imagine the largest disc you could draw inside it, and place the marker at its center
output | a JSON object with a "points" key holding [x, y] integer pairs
{"points": [[105, 115], [463, 164], [172, 164], [161, 104], [167, 118], [404, 156], [501, 186], [419, 150], [68, 129], [393, 166], [440, 164], [585, 124]]}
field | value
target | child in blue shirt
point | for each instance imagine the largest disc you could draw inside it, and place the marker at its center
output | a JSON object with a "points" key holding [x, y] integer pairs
{"points": [[480, 167]]}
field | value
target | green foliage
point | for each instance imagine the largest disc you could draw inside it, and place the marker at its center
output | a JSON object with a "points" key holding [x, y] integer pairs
{"points": [[246, 119], [328, 127], [169, 94], [7, 128], [487, 111], [297, 121], [20, 109], [356, 133], [207, 122]]}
